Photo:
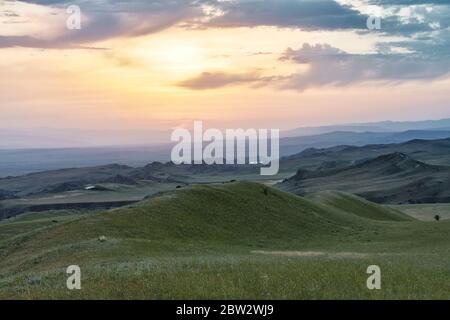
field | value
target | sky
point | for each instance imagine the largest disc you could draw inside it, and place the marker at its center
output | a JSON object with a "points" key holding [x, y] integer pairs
{"points": [[161, 64]]}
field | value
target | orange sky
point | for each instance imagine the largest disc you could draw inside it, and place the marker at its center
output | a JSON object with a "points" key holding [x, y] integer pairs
{"points": [[149, 81]]}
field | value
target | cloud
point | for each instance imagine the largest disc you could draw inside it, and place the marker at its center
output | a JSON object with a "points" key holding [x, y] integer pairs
{"points": [[107, 19], [406, 2], [304, 14], [101, 20], [23, 41], [422, 26], [331, 66], [211, 80]]}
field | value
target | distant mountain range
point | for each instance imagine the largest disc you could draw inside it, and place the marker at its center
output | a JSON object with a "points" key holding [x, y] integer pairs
{"points": [[293, 145], [55, 138], [390, 178], [417, 171], [383, 126], [32, 150], [23, 161], [435, 152], [430, 152]]}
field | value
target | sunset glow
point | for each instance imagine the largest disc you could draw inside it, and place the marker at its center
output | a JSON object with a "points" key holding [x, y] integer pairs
{"points": [[191, 68]]}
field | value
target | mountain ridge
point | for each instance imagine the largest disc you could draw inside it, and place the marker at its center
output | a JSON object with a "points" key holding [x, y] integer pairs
{"points": [[389, 178]]}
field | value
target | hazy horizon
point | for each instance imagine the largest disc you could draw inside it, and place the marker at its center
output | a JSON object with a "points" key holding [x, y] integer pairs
{"points": [[59, 138]]}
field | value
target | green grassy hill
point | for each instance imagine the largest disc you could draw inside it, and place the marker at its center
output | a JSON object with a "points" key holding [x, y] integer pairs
{"points": [[425, 212], [236, 240], [349, 204]]}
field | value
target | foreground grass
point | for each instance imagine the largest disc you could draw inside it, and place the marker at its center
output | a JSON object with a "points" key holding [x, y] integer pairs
{"points": [[30, 222], [240, 277], [200, 243]]}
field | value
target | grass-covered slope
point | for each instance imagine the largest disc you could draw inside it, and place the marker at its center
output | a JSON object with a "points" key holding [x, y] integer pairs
{"points": [[237, 240], [226, 215], [351, 204], [426, 212]]}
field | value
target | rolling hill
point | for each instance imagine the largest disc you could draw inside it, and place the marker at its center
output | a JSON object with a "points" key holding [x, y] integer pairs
{"points": [[391, 178], [349, 204], [234, 240]]}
